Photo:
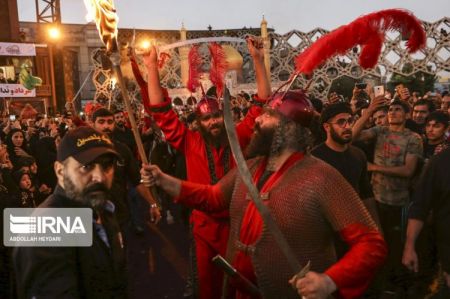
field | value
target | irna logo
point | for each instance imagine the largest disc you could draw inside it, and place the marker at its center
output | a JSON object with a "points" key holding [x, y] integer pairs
{"points": [[46, 224]]}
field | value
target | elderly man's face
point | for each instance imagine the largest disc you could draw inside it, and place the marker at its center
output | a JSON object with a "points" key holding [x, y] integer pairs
{"points": [[86, 182]]}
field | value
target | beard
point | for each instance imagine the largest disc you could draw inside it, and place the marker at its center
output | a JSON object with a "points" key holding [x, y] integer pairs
{"points": [[94, 195], [120, 124], [261, 142], [216, 139], [339, 139]]}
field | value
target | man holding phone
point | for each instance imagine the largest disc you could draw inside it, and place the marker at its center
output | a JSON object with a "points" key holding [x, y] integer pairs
{"points": [[359, 96]]}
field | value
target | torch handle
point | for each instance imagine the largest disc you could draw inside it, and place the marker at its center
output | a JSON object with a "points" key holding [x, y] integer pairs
{"points": [[115, 59]]}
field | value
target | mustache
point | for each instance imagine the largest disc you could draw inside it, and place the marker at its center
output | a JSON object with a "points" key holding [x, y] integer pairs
{"points": [[96, 194], [216, 126], [96, 187]]}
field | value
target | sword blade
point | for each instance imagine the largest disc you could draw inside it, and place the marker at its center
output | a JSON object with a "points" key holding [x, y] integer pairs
{"points": [[195, 41], [253, 191]]}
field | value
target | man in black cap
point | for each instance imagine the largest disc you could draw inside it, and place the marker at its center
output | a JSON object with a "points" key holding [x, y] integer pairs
{"points": [[126, 175], [337, 121], [85, 170]]}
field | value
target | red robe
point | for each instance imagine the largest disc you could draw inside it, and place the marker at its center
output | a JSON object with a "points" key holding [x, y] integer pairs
{"points": [[210, 230]]}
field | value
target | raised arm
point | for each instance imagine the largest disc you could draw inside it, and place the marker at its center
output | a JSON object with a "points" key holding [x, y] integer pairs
{"points": [[357, 131], [245, 127], [256, 50], [155, 90], [160, 105]]}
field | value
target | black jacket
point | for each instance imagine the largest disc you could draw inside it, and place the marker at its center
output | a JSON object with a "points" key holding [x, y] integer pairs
{"points": [[72, 272]]}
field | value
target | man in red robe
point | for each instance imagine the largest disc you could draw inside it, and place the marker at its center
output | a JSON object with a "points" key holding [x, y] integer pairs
{"points": [[208, 158], [307, 198]]}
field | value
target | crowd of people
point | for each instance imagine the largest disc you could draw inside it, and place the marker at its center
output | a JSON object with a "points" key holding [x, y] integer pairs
{"points": [[359, 189]]}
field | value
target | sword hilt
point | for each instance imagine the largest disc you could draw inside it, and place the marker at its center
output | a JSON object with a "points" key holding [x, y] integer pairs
{"points": [[300, 274]]}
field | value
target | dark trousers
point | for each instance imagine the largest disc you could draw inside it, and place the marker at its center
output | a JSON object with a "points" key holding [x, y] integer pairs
{"points": [[393, 275]]}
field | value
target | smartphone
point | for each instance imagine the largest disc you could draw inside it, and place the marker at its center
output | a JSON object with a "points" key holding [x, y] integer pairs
{"points": [[378, 91], [12, 117], [361, 85]]}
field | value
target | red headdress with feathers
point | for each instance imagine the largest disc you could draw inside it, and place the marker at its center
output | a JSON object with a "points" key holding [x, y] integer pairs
{"points": [[207, 105], [194, 69], [218, 67], [367, 31]]}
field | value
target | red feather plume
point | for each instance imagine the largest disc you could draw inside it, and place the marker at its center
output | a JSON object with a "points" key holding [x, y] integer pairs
{"points": [[163, 57], [195, 62], [218, 67], [91, 107], [367, 31]]}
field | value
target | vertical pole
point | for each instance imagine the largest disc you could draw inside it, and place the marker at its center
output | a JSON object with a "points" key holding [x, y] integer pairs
{"points": [[52, 76], [184, 62], [266, 41]]}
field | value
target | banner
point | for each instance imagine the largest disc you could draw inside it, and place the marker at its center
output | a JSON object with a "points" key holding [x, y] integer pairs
{"points": [[14, 49], [15, 91]]}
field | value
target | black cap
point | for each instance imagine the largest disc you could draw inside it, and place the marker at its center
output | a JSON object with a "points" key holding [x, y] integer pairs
{"points": [[85, 144], [332, 110]]}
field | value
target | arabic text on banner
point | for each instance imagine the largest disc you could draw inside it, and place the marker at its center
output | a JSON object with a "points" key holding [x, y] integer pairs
{"points": [[15, 91]]}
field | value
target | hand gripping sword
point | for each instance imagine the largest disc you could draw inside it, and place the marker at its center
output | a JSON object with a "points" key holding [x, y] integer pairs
{"points": [[254, 193]]}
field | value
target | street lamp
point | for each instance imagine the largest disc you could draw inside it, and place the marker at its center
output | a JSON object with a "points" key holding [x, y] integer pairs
{"points": [[54, 33]]}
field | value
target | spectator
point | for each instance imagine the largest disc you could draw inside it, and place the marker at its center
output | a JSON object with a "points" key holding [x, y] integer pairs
{"points": [[24, 197], [436, 126], [397, 152], [421, 109], [337, 121], [41, 191], [379, 116], [121, 132], [431, 196], [445, 104], [16, 145]]}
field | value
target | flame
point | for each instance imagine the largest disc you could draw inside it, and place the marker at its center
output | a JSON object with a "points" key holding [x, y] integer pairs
{"points": [[104, 14], [146, 44]]}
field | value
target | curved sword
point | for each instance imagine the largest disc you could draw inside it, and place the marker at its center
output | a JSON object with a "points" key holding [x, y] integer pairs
{"points": [[196, 41], [254, 193]]}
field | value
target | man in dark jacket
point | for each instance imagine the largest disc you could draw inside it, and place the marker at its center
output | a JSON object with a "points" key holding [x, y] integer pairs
{"points": [[85, 170]]}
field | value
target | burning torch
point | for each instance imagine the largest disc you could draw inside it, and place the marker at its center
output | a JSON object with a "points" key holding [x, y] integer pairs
{"points": [[104, 14]]}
